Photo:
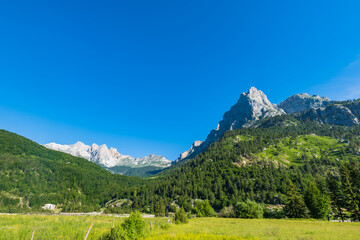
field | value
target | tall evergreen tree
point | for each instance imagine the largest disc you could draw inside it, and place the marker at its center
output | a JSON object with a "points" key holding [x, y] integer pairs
{"points": [[295, 207], [349, 180], [318, 203], [336, 195]]}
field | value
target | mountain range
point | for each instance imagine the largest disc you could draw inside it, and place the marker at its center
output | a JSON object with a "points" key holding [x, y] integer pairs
{"points": [[256, 153], [111, 159], [251, 107], [254, 105]]}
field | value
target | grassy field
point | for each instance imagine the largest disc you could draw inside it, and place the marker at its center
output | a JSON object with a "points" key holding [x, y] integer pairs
{"points": [[75, 227]]}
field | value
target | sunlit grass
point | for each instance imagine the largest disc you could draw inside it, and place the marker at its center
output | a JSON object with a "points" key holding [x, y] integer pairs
{"points": [[263, 229], [75, 227]]}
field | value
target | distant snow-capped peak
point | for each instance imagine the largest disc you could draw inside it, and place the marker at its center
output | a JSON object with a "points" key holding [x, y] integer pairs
{"points": [[108, 158]]}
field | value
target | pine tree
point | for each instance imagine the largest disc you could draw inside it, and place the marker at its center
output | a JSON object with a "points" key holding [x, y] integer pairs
{"points": [[318, 203], [336, 195], [295, 207], [351, 191]]}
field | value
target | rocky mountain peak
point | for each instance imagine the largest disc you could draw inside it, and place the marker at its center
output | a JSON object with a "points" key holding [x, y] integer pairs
{"points": [[304, 102], [79, 144], [109, 158], [251, 107], [256, 96], [341, 113]]}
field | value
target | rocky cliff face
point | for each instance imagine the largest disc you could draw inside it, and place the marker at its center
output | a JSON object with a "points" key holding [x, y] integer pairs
{"points": [[109, 158], [346, 114], [303, 102], [251, 107]]}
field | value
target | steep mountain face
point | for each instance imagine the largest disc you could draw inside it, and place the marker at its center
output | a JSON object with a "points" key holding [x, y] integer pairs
{"points": [[194, 147], [344, 114], [109, 158], [303, 102], [251, 107]]}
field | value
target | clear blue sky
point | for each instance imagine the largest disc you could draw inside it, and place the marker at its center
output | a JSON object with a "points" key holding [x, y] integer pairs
{"points": [[153, 76]]}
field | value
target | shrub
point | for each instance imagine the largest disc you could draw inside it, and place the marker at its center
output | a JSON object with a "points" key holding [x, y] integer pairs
{"points": [[132, 228], [248, 209], [227, 212], [134, 225], [172, 208], [203, 209], [180, 216], [116, 233]]}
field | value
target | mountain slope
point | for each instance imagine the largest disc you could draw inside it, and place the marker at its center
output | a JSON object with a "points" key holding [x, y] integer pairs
{"points": [[254, 106], [112, 160], [32, 175], [251, 107], [259, 163]]}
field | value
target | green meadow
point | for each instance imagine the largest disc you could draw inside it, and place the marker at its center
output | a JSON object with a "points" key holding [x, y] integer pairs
{"points": [[75, 227], [293, 150]]}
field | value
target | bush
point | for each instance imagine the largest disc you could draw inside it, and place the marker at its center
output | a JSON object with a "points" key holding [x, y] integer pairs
{"points": [[134, 225], [116, 233], [248, 209], [227, 212], [203, 209], [180, 216], [132, 228], [172, 208]]}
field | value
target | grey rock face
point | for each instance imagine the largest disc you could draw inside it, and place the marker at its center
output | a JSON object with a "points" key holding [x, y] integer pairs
{"points": [[336, 114], [194, 147], [251, 107], [303, 102]]}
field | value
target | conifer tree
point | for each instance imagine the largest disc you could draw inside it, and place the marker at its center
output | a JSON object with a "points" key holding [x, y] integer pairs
{"points": [[295, 207], [336, 195], [318, 203], [349, 172]]}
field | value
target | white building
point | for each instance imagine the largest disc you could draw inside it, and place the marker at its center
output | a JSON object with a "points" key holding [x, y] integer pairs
{"points": [[49, 206]]}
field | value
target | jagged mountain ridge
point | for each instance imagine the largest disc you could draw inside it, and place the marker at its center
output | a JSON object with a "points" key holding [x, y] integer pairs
{"points": [[303, 102], [254, 106], [251, 107], [109, 158], [342, 113]]}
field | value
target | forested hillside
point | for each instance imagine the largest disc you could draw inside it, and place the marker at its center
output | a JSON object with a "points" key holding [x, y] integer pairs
{"points": [[270, 164], [305, 169], [32, 175]]}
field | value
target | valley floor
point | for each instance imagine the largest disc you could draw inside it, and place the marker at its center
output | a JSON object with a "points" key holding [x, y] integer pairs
{"points": [[75, 227]]}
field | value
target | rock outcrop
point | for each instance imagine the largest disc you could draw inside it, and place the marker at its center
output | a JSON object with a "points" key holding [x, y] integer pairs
{"points": [[191, 151], [344, 114], [304, 102], [109, 158], [251, 107]]}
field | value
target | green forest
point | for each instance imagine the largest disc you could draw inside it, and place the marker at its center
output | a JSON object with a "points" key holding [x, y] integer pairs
{"points": [[280, 168]]}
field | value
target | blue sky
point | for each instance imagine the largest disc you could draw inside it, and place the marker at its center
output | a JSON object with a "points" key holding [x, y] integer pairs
{"points": [[153, 76]]}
